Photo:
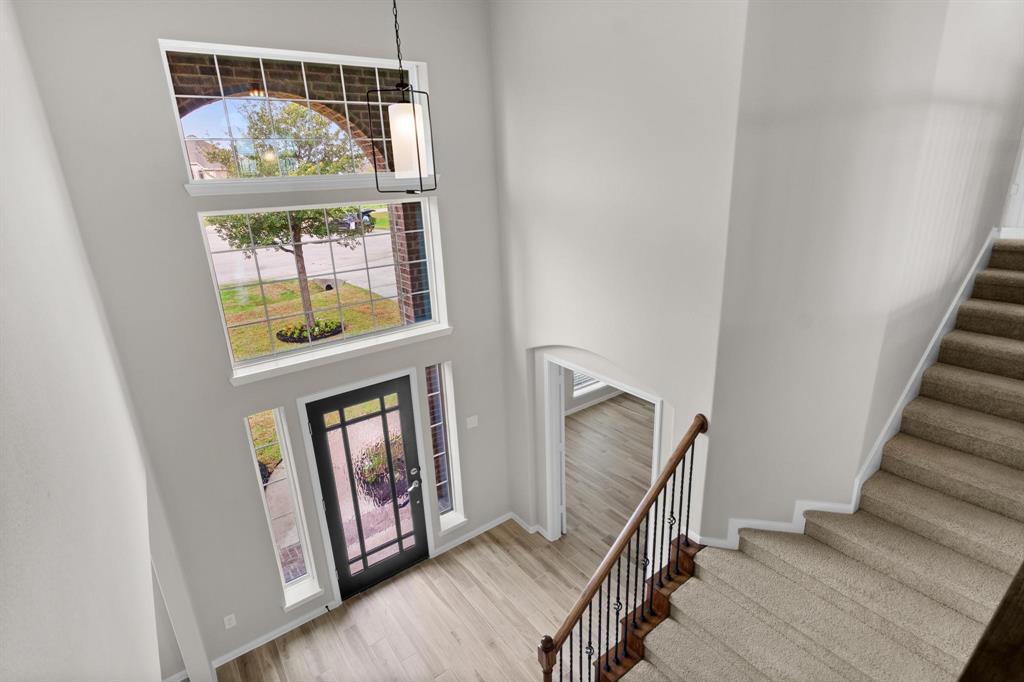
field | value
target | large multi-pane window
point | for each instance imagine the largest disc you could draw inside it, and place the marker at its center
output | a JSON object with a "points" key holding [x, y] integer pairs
{"points": [[276, 478], [291, 280], [244, 116], [442, 437]]}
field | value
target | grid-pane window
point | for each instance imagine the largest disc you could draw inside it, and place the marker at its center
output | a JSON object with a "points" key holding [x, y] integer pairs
{"points": [[279, 494], [437, 401], [253, 117], [581, 383], [291, 280]]}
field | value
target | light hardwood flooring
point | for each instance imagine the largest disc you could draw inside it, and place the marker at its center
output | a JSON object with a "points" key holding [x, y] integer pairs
{"points": [[477, 612]]}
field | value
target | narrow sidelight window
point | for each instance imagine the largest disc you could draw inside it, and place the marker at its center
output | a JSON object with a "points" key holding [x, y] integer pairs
{"points": [[443, 438], [276, 478]]}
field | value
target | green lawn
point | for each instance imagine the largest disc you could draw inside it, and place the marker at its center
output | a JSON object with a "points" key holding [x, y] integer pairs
{"points": [[245, 306]]}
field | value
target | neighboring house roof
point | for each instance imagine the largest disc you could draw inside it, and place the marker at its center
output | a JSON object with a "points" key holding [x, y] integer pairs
{"points": [[199, 156]]}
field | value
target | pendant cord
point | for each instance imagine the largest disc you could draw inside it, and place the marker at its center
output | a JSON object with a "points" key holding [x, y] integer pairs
{"points": [[398, 39]]}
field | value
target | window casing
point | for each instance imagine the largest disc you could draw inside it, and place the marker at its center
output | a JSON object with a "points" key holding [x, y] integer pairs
{"points": [[367, 270], [275, 474], [444, 443]]}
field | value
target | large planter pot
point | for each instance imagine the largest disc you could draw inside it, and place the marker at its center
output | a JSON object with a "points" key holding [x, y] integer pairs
{"points": [[373, 478]]}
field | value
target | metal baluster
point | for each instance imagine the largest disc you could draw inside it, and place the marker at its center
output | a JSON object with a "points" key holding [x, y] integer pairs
{"points": [[590, 639], [608, 617], [689, 493], [559, 666], [570, 655], [661, 546], [655, 551], [671, 525], [581, 648], [636, 573], [644, 562], [679, 545], [618, 600], [647, 560], [600, 611]]}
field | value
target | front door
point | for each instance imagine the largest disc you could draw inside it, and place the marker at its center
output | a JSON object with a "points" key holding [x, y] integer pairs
{"points": [[365, 446]]}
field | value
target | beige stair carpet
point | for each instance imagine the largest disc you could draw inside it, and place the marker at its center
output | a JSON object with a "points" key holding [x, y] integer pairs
{"points": [[901, 589]]}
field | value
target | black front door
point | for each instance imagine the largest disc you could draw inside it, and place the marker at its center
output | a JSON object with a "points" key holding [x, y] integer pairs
{"points": [[365, 445]]}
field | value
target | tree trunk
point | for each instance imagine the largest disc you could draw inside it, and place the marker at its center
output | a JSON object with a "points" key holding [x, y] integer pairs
{"points": [[300, 268]]}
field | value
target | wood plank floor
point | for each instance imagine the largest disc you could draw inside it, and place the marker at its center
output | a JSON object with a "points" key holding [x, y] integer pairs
{"points": [[478, 611]]}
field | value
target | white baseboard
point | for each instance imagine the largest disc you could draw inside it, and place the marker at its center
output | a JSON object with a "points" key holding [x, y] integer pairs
{"points": [[508, 516], [596, 400], [177, 677], [892, 426], [273, 634], [1011, 232]]}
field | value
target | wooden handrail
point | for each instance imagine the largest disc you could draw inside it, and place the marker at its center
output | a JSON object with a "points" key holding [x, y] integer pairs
{"points": [[554, 643]]}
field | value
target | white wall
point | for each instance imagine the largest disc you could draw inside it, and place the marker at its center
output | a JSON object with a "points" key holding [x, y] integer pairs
{"points": [[873, 157], [102, 80], [76, 600], [171, 660], [616, 131]]}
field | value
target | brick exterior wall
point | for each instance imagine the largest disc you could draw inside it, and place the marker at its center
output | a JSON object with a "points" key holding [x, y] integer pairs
{"points": [[408, 246]]}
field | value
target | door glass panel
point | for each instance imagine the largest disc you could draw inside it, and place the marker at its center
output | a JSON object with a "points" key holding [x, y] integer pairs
{"points": [[401, 472], [373, 480], [332, 419], [336, 444], [391, 400], [362, 409], [381, 555]]}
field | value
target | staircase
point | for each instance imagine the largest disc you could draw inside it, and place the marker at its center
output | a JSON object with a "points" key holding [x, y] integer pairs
{"points": [[901, 589]]}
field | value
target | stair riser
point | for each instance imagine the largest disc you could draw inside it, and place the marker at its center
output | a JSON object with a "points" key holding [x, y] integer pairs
{"points": [[998, 292], [958, 542], [979, 398], [1008, 365], [1007, 260], [930, 653], [1006, 324], [1003, 453], [955, 488], [920, 582]]}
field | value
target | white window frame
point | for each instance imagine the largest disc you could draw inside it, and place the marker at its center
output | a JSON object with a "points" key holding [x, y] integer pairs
{"points": [[227, 186], [302, 358], [456, 515], [308, 587]]}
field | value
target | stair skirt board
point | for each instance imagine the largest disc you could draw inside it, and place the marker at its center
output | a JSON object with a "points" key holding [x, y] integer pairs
{"points": [[892, 425], [900, 582]]}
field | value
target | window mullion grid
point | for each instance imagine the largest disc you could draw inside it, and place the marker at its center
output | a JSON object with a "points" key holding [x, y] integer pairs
{"points": [[380, 111], [366, 263], [348, 118], [273, 124], [309, 330], [334, 274], [259, 278], [227, 117]]}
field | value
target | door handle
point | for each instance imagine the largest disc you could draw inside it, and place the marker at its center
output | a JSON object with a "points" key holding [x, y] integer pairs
{"points": [[414, 485]]}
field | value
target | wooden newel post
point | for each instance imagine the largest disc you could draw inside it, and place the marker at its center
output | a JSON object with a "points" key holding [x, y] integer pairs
{"points": [[546, 654]]}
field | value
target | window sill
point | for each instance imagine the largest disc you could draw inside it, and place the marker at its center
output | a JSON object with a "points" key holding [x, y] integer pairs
{"points": [[451, 521], [301, 592], [321, 356], [224, 187]]}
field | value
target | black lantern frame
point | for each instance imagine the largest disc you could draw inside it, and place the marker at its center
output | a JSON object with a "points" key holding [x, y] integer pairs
{"points": [[408, 95]]}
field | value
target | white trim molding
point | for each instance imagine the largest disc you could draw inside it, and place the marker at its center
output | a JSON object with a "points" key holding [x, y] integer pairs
{"points": [[892, 426]]}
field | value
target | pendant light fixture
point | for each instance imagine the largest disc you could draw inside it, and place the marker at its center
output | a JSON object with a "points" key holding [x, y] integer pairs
{"points": [[408, 128]]}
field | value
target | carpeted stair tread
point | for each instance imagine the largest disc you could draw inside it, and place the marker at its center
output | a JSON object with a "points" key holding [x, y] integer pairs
{"points": [[995, 318], [683, 651], [846, 644], [989, 393], [934, 631], [1007, 254], [643, 671], [990, 538], [983, 352], [967, 585], [999, 285], [995, 438], [990, 485]]}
